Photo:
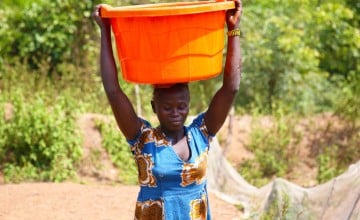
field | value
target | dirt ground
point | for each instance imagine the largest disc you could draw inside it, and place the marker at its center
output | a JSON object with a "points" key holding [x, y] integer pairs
{"points": [[97, 195], [71, 201]]}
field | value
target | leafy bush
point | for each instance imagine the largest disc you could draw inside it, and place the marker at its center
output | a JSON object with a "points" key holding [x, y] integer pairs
{"points": [[342, 147], [2, 128], [291, 49], [275, 150], [338, 153], [51, 32], [119, 151], [80, 87], [39, 143], [348, 102], [333, 35], [278, 208], [327, 165]]}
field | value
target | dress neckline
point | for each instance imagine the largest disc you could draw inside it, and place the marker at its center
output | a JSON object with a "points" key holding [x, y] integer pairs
{"points": [[170, 144]]}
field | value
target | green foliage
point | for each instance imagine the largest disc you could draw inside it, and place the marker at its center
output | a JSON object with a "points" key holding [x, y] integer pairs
{"points": [[140, 96], [119, 151], [276, 56], [334, 37], [343, 148], [15, 3], [280, 206], [348, 102], [299, 56], [49, 32], [327, 165], [38, 142], [290, 49], [275, 149], [201, 94], [3, 117], [83, 90], [355, 6], [278, 209]]}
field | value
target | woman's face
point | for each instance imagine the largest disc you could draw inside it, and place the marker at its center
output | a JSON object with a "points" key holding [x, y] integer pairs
{"points": [[171, 106]]}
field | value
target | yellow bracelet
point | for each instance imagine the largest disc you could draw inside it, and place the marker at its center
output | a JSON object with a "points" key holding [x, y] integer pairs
{"points": [[235, 32]]}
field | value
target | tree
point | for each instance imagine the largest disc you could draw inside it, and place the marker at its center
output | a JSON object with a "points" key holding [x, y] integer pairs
{"points": [[290, 50], [49, 32]]}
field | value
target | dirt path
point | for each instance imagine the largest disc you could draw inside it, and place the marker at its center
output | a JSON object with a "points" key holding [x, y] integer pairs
{"points": [[70, 201]]}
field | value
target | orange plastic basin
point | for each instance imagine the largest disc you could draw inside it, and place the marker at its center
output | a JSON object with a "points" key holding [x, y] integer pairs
{"points": [[169, 42]]}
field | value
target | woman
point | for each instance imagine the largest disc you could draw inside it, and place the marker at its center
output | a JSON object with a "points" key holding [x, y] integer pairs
{"points": [[172, 158]]}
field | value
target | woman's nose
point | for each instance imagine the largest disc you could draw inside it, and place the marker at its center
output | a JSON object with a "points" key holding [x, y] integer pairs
{"points": [[174, 112]]}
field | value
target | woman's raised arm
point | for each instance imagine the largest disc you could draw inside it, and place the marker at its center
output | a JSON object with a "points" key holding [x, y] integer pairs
{"points": [[221, 103], [123, 110]]}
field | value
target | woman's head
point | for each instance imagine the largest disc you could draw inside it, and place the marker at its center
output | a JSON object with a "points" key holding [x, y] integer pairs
{"points": [[171, 105]]}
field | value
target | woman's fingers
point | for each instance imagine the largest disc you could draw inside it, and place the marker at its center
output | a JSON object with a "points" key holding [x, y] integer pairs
{"points": [[234, 15]]}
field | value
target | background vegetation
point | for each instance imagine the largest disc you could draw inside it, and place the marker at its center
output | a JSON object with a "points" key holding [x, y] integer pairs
{"points": [[300, 59]]}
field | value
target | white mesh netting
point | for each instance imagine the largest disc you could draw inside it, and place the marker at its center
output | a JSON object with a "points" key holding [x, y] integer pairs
{"points": [[337, 199]]}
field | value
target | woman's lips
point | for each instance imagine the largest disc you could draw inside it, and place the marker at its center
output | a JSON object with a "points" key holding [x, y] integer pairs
{"points": [[176, 121]]}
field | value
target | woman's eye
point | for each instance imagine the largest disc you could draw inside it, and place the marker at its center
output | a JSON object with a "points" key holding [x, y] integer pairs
{"points": [[166, 108], [182, 107]]}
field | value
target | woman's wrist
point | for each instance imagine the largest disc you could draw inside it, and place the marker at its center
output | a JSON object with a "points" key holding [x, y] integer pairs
{"points": [[234, 32], [230, 28]]}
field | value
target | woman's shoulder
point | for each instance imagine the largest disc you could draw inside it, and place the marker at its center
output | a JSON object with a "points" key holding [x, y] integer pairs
{"points": [[196, 121], [145, 127], [198, 127]]}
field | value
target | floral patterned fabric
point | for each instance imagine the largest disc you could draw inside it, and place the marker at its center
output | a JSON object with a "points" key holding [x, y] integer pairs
{"points": [[171, 188]]}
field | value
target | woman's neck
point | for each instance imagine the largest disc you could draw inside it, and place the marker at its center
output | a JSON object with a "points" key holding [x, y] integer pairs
{"points": [[174, 136]]}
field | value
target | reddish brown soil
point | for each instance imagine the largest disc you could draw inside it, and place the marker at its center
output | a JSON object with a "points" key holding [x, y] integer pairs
{"points": [[99, 197], [102, 197], [67, 201]]}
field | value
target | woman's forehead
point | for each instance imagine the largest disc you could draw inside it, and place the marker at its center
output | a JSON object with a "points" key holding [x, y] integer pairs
{"points": [[180, 94], [179, 90]]}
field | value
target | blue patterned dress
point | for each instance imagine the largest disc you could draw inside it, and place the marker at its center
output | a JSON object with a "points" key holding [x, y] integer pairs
{"points": [[171, 188]]}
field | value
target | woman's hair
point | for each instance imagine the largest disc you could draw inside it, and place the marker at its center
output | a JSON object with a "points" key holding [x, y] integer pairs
{"points": [[164, 87]]}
